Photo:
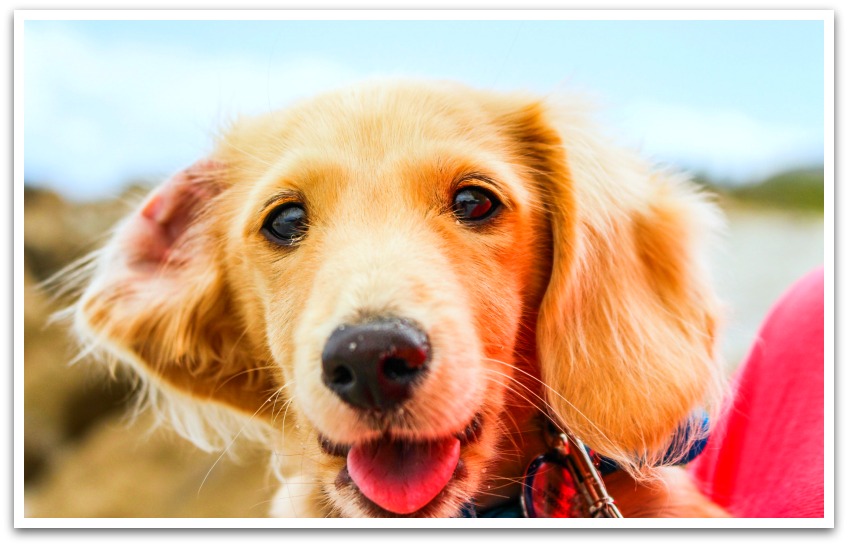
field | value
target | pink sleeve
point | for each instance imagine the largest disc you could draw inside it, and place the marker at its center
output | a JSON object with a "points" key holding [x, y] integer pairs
{"points": [[765, 457]]}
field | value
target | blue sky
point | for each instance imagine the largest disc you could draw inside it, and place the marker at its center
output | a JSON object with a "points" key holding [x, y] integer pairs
{"points": [[108, 101]]}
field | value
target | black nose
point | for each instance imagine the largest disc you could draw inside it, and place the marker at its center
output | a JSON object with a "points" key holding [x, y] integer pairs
{"points": [[374, 365]]}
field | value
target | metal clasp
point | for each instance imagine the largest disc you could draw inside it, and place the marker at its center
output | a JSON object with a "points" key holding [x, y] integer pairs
{"points": [[599, 502], [588, 495]]}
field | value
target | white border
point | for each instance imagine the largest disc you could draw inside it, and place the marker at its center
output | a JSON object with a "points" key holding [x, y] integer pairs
{"points": [[829, 277], [419, 523], [18, 265], [429, 15]]}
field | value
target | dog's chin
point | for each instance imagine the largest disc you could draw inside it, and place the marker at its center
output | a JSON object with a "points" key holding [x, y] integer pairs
{"points": [[402, 476]]}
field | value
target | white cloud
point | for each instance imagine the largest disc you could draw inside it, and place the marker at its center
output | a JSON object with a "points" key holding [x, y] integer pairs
{"points": [[726, 144], [95, 117]]}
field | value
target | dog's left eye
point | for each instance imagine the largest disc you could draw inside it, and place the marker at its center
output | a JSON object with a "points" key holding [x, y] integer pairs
{"points": [[286, 224], [473, 204]]}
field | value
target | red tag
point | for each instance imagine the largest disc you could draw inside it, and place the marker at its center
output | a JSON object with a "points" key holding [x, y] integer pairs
{"points": [[550, 489]]}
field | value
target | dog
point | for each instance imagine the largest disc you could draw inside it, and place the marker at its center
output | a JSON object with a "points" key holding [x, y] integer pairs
{"points": [[396, 287]]}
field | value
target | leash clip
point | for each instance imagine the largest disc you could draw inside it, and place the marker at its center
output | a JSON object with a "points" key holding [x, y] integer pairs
{"points": [[564, 482]]}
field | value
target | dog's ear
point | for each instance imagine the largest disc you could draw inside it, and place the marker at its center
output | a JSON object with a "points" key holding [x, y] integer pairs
{"points": [[626, 328], [159, 297]]}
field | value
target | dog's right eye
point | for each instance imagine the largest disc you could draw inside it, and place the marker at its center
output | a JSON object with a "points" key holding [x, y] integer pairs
{"points": [[473, 204], [286, 224]]}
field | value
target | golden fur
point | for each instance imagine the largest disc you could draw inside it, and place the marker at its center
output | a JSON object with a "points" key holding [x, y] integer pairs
{"points": [[585, 299]]}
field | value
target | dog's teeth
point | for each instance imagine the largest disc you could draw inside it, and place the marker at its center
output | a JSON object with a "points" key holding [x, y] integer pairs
{"points": [[472, 431]]}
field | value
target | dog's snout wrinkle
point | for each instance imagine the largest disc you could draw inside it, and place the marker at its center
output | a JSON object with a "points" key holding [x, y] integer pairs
{"points": [[375, 365]]}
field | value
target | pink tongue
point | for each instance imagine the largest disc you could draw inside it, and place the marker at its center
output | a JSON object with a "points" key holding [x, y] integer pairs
{"points": [[402, 477]]}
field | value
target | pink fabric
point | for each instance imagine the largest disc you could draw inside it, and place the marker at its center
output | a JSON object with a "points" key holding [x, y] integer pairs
{"points": [[766, 455]]}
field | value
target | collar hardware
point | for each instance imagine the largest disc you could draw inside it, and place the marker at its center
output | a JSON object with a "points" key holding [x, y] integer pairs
{"points": [[564, 481]]}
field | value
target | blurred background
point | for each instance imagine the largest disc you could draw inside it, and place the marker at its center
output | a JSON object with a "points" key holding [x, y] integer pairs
{"points": [[112, 107]]}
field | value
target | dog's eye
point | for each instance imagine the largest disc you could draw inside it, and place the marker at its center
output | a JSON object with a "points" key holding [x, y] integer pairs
{"points": [[286, 224], [473, 204]]}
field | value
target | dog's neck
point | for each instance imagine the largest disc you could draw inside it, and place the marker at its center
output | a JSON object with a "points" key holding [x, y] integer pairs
{"points": [[530, 440], [525, 441]]}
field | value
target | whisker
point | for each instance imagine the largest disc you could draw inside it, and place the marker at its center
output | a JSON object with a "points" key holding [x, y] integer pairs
{"points": [[555, 392], [243, 372], [510, 387], [510, 481], [280, 391], [230, 444], [489, 492], [505, 432]]}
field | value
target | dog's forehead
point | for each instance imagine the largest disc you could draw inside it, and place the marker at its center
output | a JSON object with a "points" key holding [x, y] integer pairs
{"points": [[376, 144], [372, 122]]}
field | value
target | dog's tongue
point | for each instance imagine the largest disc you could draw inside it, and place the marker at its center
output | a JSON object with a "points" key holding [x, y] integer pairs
{"points": [[402, 477]]}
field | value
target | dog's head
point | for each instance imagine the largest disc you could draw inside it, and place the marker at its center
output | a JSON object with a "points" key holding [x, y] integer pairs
{"points": [[400, 279]]}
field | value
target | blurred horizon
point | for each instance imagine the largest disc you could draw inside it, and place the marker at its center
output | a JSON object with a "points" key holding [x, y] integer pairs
{"points": [[111, 102]]}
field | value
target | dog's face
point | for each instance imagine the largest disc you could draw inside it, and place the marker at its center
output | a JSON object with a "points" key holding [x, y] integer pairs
{"points": [[391, 253], [401, 279]]}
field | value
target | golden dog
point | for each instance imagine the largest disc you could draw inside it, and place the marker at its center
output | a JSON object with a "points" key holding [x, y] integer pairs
{"points": [[396, 286]]}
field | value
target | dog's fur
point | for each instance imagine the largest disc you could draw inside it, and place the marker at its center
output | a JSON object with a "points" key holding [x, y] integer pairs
{"points": [[584, 298]]}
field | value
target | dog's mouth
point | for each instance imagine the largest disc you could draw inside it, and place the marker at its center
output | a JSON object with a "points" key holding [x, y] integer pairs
{"points": [[402, 476]]}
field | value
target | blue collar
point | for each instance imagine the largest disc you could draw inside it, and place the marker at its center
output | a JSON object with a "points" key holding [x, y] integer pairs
{"points": [[696, 427]]}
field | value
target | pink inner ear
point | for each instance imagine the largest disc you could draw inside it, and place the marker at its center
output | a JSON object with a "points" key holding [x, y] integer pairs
{"points": [[150, 236]]}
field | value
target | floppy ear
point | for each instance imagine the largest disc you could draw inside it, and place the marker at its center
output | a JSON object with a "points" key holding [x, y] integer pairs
{"points": [[626, 328], [159, 298]]}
